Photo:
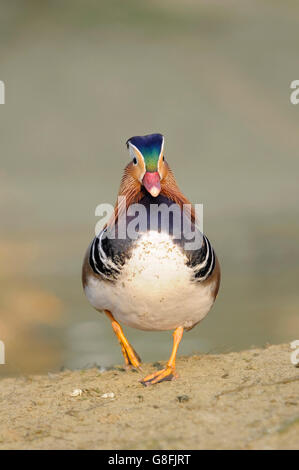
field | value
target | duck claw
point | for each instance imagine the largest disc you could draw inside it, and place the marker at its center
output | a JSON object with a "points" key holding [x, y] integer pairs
{"points": [[166, 374]]}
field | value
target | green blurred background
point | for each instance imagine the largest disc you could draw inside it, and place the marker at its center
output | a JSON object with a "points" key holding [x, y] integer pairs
{"points": [[83, 76]]}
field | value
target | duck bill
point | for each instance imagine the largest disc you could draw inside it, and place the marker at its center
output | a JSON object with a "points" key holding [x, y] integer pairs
{"points": [[151, 182]]}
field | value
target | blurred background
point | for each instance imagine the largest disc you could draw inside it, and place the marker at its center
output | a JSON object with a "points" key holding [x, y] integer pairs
{"points": [[81, 77]]}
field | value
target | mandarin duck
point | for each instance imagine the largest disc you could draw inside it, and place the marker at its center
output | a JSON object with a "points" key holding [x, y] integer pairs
{"points": [[148, 277]]}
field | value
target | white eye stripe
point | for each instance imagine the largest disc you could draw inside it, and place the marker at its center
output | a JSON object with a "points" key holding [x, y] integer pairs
{"points": [[161, 158], [136, 154]]}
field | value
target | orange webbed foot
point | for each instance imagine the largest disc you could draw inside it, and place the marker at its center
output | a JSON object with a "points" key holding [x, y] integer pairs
{"points": [[167, 374], [132, 359]]}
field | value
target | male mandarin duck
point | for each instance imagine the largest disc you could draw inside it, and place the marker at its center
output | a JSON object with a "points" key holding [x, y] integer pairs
{"points": [[150, 281]]}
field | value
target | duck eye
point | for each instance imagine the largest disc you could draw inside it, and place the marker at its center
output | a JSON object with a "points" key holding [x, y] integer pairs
{"points": [[135, 161]]}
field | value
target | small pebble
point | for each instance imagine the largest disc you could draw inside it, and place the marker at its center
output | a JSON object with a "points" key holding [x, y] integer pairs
{"points": [[108, 395], [77, 392], [183, 398]]}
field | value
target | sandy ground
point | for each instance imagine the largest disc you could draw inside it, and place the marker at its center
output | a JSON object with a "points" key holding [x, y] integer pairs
{"points": [[246, 400]]}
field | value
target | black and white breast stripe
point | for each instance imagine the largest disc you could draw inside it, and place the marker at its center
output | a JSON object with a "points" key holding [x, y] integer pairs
{"points": [[107, 256], [202, 261]]}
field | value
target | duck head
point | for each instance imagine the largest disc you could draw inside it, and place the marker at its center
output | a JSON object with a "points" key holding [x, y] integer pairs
{"points": [[148, 165]]}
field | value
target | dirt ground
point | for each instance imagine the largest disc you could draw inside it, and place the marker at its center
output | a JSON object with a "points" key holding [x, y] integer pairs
{"points": [[246, 400]]}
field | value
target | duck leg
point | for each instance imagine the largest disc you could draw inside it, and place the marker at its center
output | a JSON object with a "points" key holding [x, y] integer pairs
{"points": [[169, 373], [129, 353]]}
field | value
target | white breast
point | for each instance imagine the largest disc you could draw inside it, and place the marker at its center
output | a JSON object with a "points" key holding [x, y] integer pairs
{"points": [[155, 290]]}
